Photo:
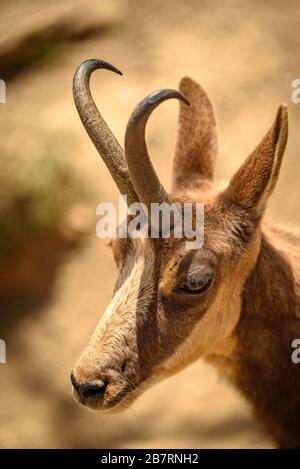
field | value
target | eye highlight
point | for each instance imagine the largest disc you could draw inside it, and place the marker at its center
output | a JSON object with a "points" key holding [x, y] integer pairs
{"points": [[196, 284]]}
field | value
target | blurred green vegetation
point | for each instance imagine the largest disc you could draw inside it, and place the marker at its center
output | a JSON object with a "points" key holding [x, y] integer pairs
{"points": [[36, 195]]}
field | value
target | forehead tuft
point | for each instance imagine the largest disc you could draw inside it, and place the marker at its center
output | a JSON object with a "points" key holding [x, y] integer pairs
{"points": [[227, 231]]}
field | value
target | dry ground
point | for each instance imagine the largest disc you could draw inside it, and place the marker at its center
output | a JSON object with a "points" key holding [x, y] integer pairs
{"points": [[245, 54]]}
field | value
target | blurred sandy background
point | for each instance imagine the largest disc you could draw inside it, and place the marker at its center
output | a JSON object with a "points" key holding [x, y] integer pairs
{"points": [[56, 277]]}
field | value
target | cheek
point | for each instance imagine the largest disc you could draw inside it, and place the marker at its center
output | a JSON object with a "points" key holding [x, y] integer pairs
{"points": [[175, 325], [215, 324]]}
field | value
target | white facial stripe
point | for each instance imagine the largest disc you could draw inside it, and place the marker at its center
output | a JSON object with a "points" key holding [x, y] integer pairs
{"points": [[121, 314]]}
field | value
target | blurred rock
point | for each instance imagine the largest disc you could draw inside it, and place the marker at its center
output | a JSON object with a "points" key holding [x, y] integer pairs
{"points": [[32, 30]]}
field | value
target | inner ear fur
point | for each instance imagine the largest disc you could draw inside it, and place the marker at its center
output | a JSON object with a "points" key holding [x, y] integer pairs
{"points": [[254, 182], [197, 143]]}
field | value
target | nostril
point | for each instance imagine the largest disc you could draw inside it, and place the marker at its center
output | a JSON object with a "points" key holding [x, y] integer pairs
{"points": [[74, 382], [88, 390]]}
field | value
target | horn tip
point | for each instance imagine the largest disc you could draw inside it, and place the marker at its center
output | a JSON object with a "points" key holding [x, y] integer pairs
{"points": [[90, 65]]}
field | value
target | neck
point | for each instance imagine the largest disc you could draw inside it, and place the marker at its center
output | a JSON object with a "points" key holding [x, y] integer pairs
{"points": [[264, 371]]}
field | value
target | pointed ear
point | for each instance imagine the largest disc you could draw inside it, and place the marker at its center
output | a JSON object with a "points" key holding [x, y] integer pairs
{"points": [[255, 181], [196, 146]]}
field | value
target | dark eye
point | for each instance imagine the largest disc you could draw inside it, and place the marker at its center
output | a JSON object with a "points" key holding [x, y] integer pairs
{"points": [[196, 283]]}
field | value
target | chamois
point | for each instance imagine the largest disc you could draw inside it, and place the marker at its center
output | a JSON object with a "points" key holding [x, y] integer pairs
{"points": [[235, 302]]}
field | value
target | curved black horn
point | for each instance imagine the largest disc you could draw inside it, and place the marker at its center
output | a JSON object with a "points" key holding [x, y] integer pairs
{"points": [[143, 176], [100, 134]]}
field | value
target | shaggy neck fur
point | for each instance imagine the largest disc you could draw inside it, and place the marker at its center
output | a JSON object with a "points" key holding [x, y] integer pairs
{"points": [[270, 321]]}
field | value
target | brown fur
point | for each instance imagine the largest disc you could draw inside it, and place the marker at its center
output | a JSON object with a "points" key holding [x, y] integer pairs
{"points": [[267, 327], [246, 319], [197, 143], [257, 358]]}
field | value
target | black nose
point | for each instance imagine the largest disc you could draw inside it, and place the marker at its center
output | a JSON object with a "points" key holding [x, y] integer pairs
{"points": [[89, 390], [95, 389], [74, 382]]}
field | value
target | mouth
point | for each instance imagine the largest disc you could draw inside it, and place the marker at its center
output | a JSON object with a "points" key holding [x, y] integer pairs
{"points": [[114, 399]]}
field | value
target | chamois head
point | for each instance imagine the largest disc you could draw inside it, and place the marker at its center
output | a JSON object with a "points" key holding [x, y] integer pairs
{"points": [[171, 304]]}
